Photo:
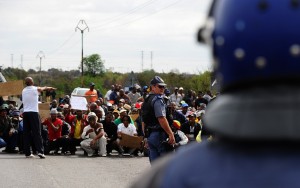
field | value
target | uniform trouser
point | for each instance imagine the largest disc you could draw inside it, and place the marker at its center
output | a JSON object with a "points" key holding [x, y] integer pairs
{"points": [[32, 128], [100, 145], [156, 147]]}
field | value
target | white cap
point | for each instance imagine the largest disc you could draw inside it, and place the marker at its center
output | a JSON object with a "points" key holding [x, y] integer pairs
{"points": [[53, 111]]}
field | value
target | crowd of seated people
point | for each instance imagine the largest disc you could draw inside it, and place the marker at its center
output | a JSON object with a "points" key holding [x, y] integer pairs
{"points": [[97, 130]]}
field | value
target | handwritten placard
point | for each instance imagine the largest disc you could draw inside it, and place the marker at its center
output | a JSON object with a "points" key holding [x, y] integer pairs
{"points": [[78, 103]]}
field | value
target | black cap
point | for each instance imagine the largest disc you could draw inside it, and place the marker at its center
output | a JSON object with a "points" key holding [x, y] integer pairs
{"points": [[157, 80], [92, 84]]}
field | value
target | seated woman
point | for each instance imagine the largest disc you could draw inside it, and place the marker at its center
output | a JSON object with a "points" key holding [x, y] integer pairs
{"points": [[126, 128]]}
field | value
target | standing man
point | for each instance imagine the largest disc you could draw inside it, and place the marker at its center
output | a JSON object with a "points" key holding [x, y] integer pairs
{"points": [[156, 124], [92, 93], [31, 118]]}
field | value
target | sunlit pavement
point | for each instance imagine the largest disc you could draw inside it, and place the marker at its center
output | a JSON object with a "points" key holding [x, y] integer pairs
{"points": [[70, 170]]}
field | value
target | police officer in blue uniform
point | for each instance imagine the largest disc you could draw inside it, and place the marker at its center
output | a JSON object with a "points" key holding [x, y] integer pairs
{"points": [[256, 49], [157, 129]]}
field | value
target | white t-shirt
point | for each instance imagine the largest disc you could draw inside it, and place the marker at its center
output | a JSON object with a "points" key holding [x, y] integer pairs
{"points": [[30, 98], [130, 130]]}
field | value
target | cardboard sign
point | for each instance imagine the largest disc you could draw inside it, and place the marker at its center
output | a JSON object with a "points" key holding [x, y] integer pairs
{"points": [[78, 103], [131, 141], [44, 110], [11, 88]]}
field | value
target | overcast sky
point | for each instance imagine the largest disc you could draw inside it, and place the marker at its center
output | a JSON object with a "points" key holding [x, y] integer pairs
{"points": [[119, 30]]}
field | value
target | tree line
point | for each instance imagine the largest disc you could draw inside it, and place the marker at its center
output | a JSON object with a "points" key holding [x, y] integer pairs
{"points": [[94, 71]]}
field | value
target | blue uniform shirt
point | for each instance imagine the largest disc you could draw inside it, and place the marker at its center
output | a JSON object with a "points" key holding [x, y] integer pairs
{"points": [[159, 106]]}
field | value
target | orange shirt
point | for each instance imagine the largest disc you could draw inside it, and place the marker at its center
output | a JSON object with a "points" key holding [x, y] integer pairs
{"points": [[93, 95]]}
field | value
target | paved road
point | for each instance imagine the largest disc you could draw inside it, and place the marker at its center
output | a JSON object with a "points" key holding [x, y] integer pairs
{"points": [[70, 171]]}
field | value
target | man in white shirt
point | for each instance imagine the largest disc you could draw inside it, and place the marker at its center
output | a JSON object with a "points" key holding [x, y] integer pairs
{"points": [[31, 118], [176, 97]]}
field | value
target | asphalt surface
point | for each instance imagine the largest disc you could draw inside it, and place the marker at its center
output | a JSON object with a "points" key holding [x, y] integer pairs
{"points": [[70, 171]]}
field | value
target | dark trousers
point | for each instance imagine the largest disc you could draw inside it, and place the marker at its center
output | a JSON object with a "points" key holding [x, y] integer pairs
{"points": [[11, 141], [112, 145], [56, 144], [73, 143], [32, 130]]}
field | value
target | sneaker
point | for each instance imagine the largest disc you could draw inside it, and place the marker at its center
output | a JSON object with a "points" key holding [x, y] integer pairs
{"points": [[90, 154], [103, 155], [42, 156], [30, 156]]}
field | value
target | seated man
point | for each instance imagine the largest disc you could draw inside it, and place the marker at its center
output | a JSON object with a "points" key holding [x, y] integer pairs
{"points": [[77, 126], [17, 123], [93, 137], [8, 133], [180, 138], [110, 129], [55, 139], [65, 132], [191, 128]]}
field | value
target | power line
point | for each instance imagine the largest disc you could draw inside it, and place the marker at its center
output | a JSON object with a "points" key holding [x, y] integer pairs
{"points": [[114, 19], [60, 46], [105, 23], [140, 18], [123, 15]]}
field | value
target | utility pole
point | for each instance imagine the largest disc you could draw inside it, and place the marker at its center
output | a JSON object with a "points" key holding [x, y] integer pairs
{"points": [[12, 60], [142, 61], [21, 61], [82, 26], [40, 55], [151, 56]]}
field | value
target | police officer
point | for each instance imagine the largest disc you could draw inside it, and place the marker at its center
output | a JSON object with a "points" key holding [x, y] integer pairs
{"points": [[155, 120], [256, 48]]}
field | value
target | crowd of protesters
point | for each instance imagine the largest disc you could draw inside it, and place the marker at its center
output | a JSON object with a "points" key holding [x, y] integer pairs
{"points": [[97, 130]]}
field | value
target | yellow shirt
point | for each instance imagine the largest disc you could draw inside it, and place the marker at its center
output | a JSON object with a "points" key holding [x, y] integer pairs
{"points": [[77, 131]]}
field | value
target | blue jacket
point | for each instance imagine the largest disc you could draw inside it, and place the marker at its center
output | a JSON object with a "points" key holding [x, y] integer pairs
{"points": [[229, 164]]}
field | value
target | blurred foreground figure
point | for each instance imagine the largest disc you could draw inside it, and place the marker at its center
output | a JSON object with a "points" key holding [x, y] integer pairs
{"points": [[256, 50]]}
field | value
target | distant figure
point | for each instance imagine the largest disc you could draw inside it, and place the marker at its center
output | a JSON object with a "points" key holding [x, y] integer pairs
{"points": [[92, 93]]}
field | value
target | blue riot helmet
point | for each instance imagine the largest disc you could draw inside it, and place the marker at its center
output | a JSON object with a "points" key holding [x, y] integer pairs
{"points": [[145, 88], [256, 49], [254, 41]]}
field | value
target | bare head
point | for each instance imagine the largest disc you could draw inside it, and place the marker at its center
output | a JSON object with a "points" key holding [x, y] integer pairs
{"points": [[28, 81]]}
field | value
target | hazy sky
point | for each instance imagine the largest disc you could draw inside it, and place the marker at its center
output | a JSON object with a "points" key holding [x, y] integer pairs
{"points": [[119, 30]]}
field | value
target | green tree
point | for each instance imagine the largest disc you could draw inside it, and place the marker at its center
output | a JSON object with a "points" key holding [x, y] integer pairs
{"points": [[93, 65]]}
